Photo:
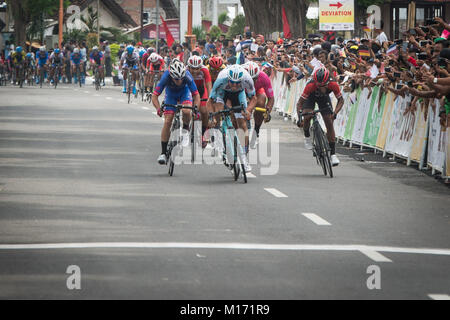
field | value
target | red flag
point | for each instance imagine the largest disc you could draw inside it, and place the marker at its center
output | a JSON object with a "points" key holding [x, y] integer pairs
{"points": [[169, 37], [286, 28]]}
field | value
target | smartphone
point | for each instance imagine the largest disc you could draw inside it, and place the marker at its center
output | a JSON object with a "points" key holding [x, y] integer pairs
{"points": [[398, 41], [305, 56], [398, 86], [423, 43], [442, 62], [409, 83], [331, 56], [391, 62], [341, 78], [397, 74], [425, 29], [422, 56], [429, 22], [405, 46], [412, 32], [388, 69]]}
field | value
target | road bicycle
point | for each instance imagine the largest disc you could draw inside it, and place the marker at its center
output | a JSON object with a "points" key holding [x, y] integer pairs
{"points": [[233, 154], [321, 148], [176, 134]]}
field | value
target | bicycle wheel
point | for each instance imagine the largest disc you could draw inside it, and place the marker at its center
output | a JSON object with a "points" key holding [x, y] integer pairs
{"points": [[327, 156], [56, 77], [319, 148], [236, 165], [79, 76], [169, 158], [129, 88], [172, 144]]}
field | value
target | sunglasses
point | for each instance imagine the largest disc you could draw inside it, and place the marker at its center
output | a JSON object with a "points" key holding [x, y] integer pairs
{"points": [[234, 82]]}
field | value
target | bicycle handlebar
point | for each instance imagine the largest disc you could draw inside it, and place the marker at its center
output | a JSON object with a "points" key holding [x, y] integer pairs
{"points": [[178, 106], [226, 111]]}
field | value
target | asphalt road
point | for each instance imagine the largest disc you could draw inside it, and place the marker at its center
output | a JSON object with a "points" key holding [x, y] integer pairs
{"points": [[80, 186]]}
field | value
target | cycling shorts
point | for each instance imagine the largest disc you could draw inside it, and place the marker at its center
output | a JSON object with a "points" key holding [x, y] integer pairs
{"points": [[183, 96], [323, 101], [135, 67], [237, 98]]}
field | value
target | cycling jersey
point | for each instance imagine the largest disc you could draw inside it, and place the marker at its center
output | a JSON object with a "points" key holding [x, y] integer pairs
{"points": [[221, 88], [176, 94], [157, 66], [56, 58], [263, 85], [313, 95], [96, 58], [201, 79], [75, 58], [130, 61], [42, 58], [215, 72], [17, 57]]}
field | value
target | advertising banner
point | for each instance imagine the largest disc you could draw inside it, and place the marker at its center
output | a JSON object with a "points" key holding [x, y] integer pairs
{"points": [[436, 139], [374, 118], [420, 135]]}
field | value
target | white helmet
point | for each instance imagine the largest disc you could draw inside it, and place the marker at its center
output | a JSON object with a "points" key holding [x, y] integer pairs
{"points": [[154, 57], [42, 49], [195, 62], [76, 50], [252, 68], [235, 73], [177, 69]]}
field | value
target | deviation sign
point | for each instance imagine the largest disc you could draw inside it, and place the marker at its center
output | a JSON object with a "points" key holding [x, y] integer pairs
{"points": [[336, 15]]}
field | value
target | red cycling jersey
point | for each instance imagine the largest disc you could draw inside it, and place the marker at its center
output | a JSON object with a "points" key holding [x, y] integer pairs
{"points": [[312, 87], [157, 66]]}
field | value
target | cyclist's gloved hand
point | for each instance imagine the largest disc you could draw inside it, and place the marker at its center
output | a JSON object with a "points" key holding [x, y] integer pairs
{"points": [[159, 112], [334, 115]]}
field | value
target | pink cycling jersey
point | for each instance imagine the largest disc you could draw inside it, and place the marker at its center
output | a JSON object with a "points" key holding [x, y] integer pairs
{"points": [[263, 82]]}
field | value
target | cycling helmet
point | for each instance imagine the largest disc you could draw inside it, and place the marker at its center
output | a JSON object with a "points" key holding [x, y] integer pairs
{"points": [[95, 48], [177, 69], [29, 55], [42, 49], [57, 51], [195, 62], [252, 68], [150, 50], [154, 57], [321, 76], [76, 50], [141, 52], [235, 73], [216, 62], [19, 49], [130, 49]]}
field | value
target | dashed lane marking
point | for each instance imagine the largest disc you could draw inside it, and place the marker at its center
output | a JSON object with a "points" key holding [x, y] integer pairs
{"points": [[316, 219], [276, 193], [439, 296]]}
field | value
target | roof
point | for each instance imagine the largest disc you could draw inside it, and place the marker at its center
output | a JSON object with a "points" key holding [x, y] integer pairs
{"points": [[113, 6]]}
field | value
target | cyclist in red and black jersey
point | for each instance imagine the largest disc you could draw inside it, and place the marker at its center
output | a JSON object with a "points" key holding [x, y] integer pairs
{"points": [[318, 90]]}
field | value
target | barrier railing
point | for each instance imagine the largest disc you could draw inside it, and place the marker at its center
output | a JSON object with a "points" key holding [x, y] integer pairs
{"points": [[383, 122]]}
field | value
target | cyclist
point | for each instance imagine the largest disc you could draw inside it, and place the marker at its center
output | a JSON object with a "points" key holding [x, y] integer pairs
{"points": [[41, 61], [97, 59], [180, 89], [76, 60], [231, 87], [144, 62], [17, 59], [155, 65], [130, 59], [318, 90], [56, 60], [202, 80], [215, 65], [30, 66], [264, 91]]}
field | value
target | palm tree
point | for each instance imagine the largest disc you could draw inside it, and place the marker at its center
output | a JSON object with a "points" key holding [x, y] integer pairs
{"points": [[223, 17]]}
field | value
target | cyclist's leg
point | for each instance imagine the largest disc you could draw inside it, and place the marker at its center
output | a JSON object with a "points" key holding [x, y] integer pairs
{"points": [[204, 111], [186, 100], [326, 110], [169, 113], [259, 116], [308, 106], [124, 74]]}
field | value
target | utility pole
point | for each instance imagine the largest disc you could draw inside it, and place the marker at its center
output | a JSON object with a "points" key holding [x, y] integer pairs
{"points": [[157, 26], [190, 38], [142, 20], [98, 22], [61, 20]]}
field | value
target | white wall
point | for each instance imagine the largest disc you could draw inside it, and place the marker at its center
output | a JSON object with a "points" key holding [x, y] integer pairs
{"points": [[196, 16]]}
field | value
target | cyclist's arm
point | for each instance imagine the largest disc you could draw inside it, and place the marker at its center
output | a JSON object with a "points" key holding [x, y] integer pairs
{"points": [[337, 93]]}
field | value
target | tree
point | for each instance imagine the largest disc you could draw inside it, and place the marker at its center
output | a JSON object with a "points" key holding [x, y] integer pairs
{"points": [[237, 26], [27, 11], [264, 16], [215, 32], [223, 17], [91, 20], [199, 32]]}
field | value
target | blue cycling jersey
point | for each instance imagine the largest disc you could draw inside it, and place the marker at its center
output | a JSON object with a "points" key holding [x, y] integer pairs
{"points": [[75, 58], [167, 81]]}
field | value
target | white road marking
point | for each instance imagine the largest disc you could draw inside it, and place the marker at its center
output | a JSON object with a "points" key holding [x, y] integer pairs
{"points": [[109, 98], [145, 108], [375, 256], [276, 193], [86, 91], [251, 175], [316, 219], [155, 113], [370, 251], [439, 296]]}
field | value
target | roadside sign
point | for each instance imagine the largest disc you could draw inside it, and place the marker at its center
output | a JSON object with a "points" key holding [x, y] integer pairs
{"points": [[336, 15]]}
